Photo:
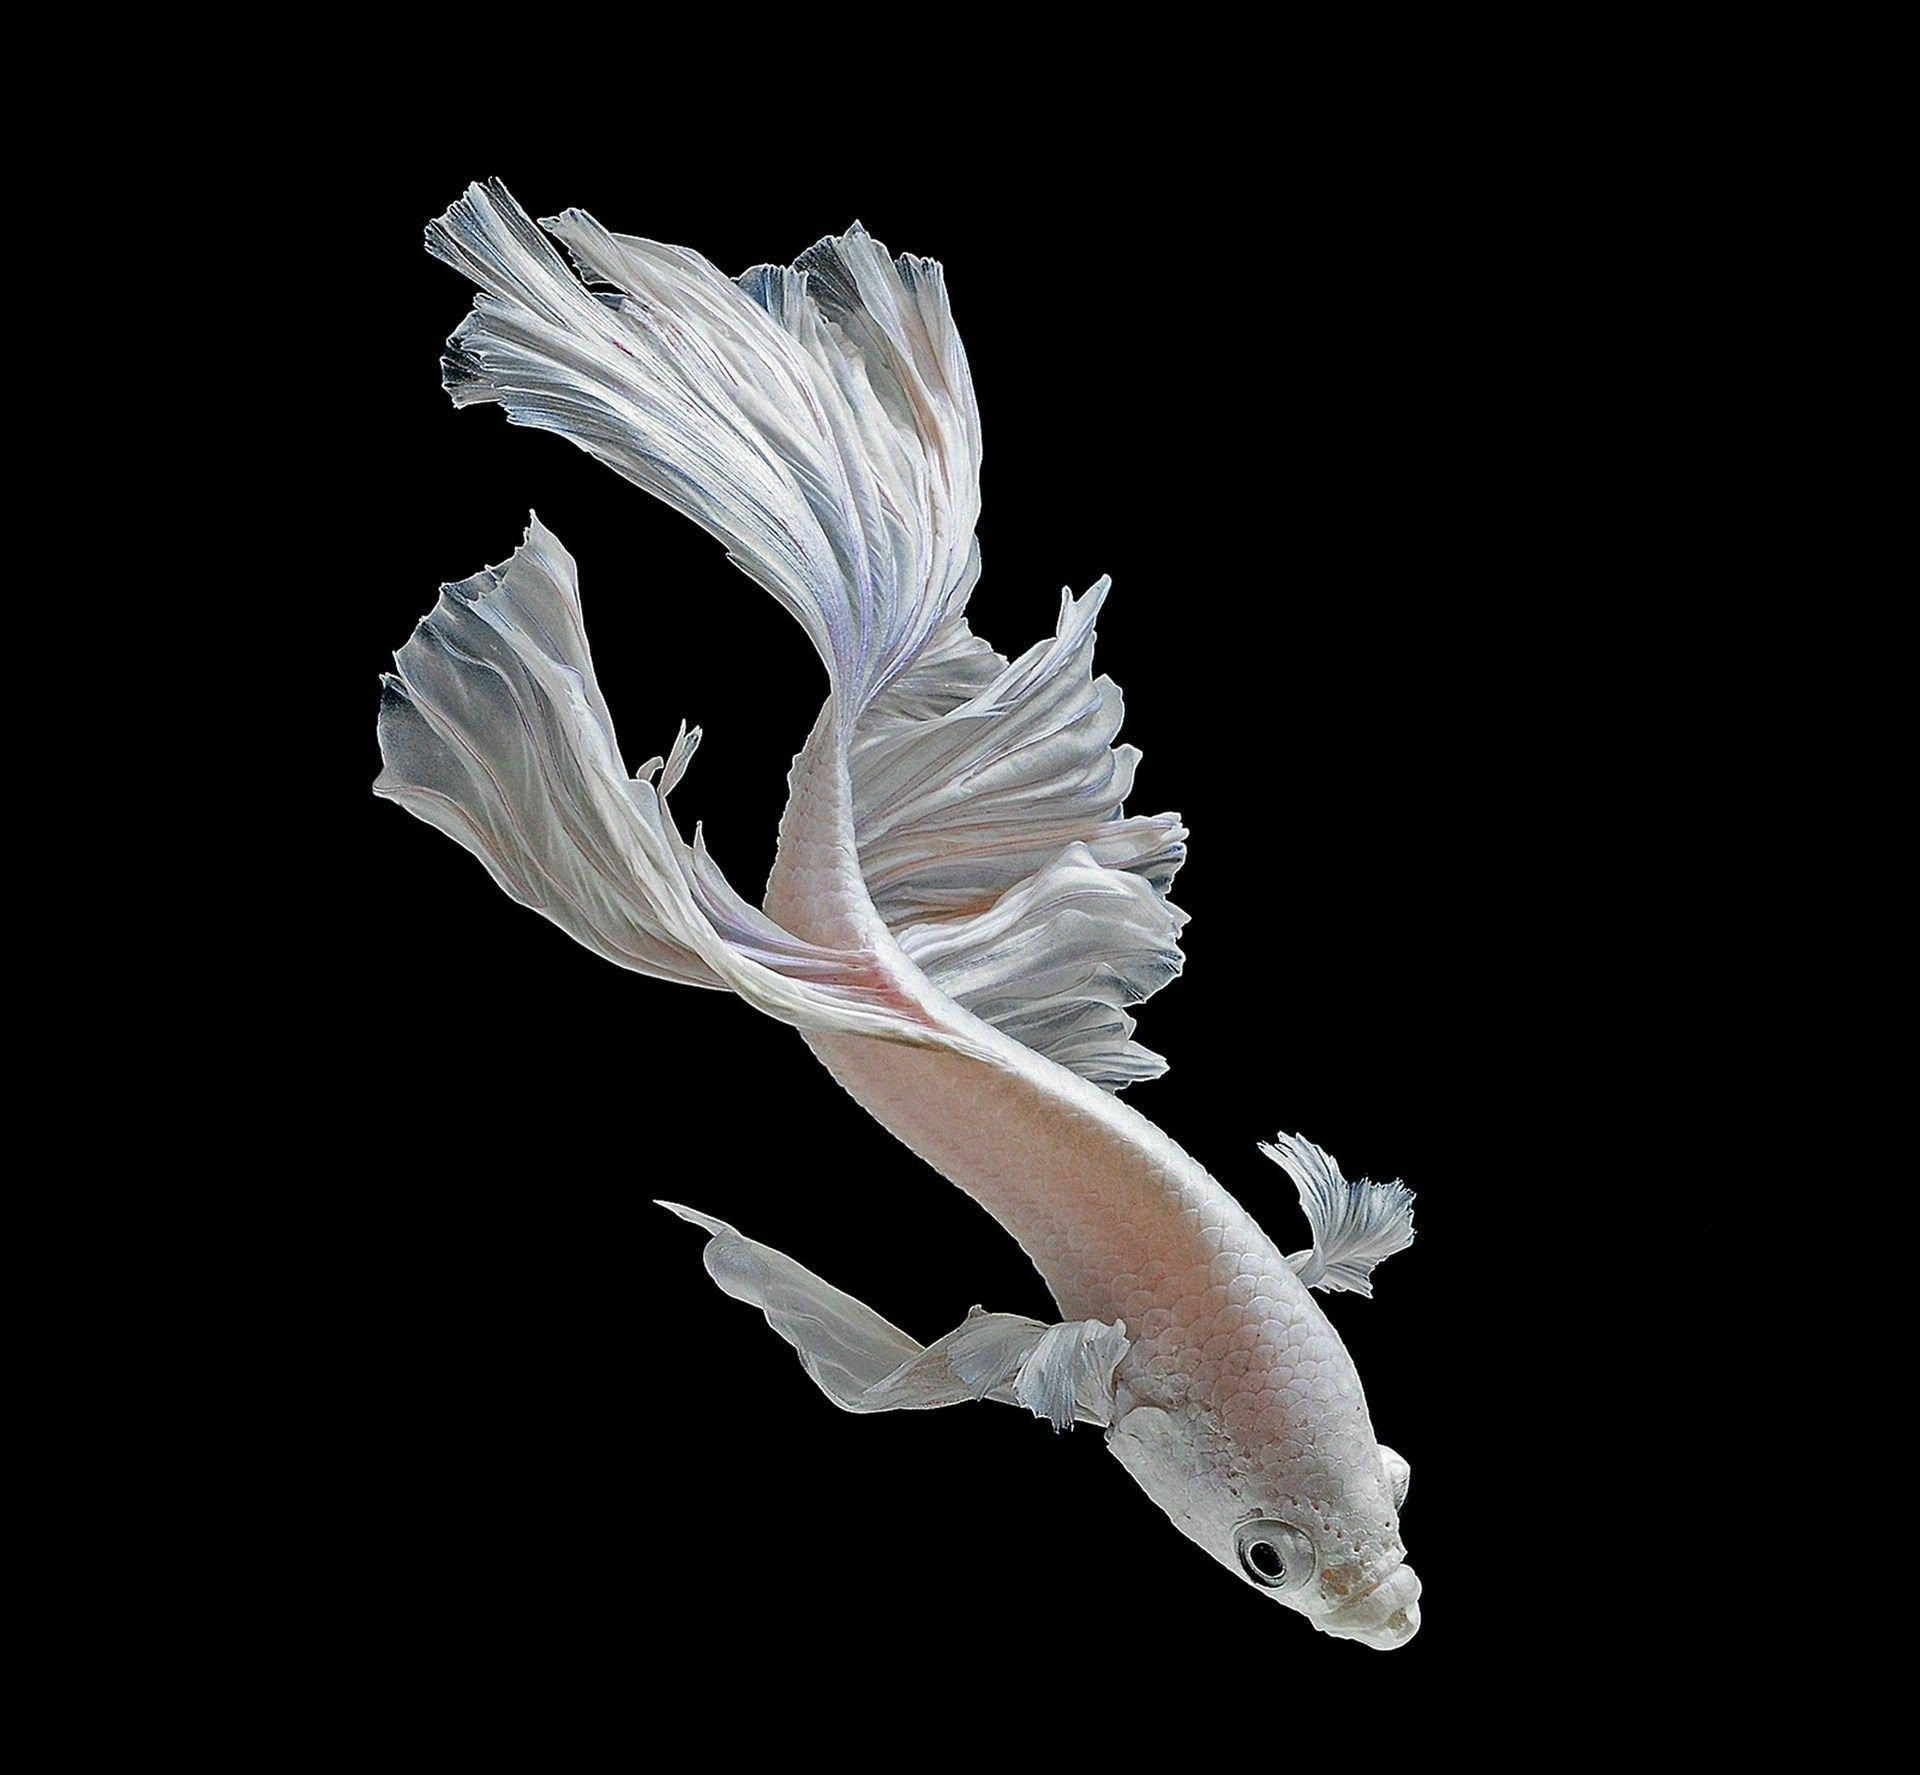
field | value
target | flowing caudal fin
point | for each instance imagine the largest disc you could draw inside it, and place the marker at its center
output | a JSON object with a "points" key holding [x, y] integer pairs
{"points": [[493, 728], [820, 420]]}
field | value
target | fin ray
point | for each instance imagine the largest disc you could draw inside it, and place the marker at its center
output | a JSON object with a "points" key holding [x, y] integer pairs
{"points": [[493, 728], [819, 419], [1355, 1225], [862, 1363], [989, 816]]}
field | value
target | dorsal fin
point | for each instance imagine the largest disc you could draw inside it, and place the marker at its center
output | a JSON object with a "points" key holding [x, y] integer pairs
{"points": [[989, 811]]}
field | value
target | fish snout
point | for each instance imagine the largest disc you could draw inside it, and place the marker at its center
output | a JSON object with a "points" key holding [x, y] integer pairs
{"points": [[1385, 1616]]}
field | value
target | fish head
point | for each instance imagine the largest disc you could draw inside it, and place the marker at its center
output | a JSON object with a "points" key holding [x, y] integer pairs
{"points": [[1311, 1520]]}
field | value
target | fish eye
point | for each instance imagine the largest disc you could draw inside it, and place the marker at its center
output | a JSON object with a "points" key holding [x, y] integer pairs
{"points": [[1265, 1559], [1272, 1554]]}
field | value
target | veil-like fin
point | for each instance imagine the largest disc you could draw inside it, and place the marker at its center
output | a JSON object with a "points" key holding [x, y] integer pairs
{"points": [[820, 420]]}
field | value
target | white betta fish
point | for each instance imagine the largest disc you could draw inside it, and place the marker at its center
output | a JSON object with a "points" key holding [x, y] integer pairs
{"points": [[960, 912]]}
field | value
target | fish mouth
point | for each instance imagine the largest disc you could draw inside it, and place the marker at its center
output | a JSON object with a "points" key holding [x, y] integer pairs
{"points": [[1383, 1616]]}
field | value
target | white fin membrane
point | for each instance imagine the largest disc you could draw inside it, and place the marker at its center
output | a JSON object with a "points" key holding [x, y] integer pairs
{"points": [[994, 841], [845, 1346], [493, 729], [865, 1364], [1355, 1225], [820, 421], [1062, 1372]]}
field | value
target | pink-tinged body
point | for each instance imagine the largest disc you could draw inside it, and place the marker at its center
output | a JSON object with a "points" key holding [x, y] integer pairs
{"points": [[820, 420], [1121, 1223]]}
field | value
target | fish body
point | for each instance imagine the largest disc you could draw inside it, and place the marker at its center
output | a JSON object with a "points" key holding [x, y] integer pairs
{"points": [[960, 909], [1124, 1227]]}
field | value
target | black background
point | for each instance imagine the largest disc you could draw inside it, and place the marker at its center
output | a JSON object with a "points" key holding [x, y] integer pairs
{"points": [[1299, 414]]}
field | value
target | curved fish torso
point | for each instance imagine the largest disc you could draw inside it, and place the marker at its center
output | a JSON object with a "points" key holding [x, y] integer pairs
{"points": [[1123, 1226], [960, 910]]}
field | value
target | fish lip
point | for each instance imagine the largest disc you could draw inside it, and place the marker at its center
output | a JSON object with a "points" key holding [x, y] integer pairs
{"points": [[1386, 1614]]}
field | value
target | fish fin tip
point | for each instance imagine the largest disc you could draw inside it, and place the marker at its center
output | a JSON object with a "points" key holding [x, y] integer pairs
{"points": [[1355, 1223], [694, 1217]]}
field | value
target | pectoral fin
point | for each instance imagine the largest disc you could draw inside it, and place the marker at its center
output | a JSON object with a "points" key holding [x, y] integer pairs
{"points": [[1355, 1225], [863, 1363]]}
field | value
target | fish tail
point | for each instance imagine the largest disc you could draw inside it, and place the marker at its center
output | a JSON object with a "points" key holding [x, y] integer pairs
{"points": [[493, 728], [818, 418]]}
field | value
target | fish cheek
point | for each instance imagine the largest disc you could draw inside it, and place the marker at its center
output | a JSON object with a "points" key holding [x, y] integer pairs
{"points": [[1160, 1451]]}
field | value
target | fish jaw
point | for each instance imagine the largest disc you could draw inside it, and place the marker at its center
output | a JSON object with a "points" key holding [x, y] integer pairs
{"points": [[1384, 1617], [1212, 1483]]}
